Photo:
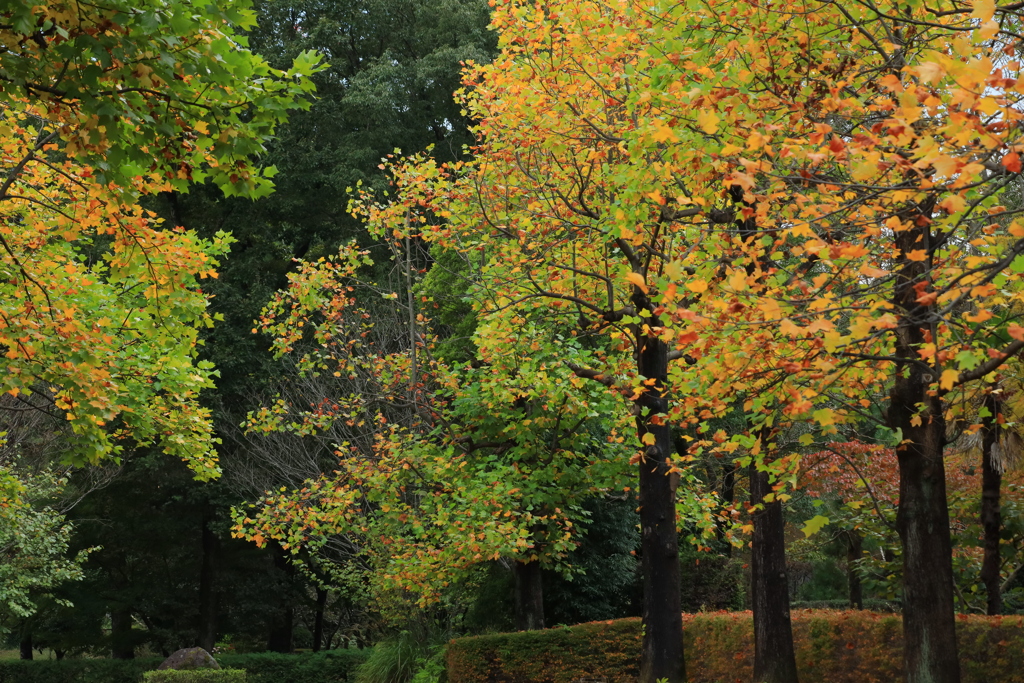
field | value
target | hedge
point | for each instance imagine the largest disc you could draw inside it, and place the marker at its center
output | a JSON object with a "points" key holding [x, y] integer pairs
{"points": [[332, 666], [76, 670], [831, 647], [195, 676]]}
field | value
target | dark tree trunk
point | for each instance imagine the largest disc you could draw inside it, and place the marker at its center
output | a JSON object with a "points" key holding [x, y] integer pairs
{"points": [[916, 411], [280, 637], [774, 657], [991, 517], [854, 551], [121, 641], [662, 656], [25, 645], [529, 596], [207, 594], [318, 618]]}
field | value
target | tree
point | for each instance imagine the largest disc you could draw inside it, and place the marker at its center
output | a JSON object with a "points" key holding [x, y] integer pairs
{"points": [[886, 267], [441, 467], [856, 163], [34, 539], [104, 104]]}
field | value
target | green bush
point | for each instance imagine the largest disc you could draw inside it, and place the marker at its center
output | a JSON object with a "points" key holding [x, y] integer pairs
{"points": [[831, 647], [76, 670], [195, 676], [333, 666]]}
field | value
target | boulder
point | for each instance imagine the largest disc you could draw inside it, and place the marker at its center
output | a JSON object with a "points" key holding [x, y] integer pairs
{"points": [[190, 658]]}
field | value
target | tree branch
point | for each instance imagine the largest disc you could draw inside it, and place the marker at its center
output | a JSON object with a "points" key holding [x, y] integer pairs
{"points": [[992, 363]]}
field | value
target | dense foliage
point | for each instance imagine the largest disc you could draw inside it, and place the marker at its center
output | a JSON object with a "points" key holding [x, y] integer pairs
{"points": [[831, 647], [327, 667]]}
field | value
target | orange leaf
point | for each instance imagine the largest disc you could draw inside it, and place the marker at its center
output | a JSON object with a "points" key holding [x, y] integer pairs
{"points": [[1012, 162], [638, 280]]}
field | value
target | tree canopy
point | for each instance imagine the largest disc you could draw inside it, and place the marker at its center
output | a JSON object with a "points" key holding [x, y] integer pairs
{"points": [[103, 104], [780, 210]]}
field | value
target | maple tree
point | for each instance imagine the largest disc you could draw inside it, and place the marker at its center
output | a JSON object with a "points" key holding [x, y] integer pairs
{"points": [[102, 105], [857, 487]]}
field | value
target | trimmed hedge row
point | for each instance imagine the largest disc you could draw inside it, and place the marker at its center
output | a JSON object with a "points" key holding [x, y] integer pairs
{"points": [[831, 647], [195, 676], [332, 666], [76, 670]]}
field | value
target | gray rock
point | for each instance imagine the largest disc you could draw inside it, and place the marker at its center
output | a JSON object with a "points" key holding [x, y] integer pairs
{"points": [[190, 658]]}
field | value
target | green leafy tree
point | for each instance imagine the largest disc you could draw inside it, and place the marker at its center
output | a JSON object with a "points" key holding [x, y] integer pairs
{"points": [[34, 540]]}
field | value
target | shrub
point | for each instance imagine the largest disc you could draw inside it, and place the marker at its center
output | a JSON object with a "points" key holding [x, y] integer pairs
{"points": [[76, 670], [831, 647], [393, 661], [195, 676], [332, 666]]}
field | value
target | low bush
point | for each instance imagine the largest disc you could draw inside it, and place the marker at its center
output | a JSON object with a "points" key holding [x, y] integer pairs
{"points": [[195, 676], [76, 670], [332, 666], [831, 647]]}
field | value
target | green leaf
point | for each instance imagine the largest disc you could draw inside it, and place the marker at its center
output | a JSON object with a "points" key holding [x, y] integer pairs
{"points": [[814, 525]]}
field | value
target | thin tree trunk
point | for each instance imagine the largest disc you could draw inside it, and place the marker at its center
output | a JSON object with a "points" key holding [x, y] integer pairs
{"points": [[991, 517], [280, 637], [529, 596], [854, 551], [774, 657], [916, 412], [729, 493], [25, 645], [662, 656], [207, 594], [318, 618]]}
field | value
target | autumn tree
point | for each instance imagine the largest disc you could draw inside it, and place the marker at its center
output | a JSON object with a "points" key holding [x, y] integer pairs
{"points": [[572, 226], [802, 201], [101, 105], [873, 158]]}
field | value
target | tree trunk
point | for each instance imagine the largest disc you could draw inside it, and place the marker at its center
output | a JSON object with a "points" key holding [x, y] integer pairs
{"points": [[26, 644], [529, 596], [280, 637], [774, 657], [854, 551], [121, 645], [991, 517], [318, 618], [207, 594], [922, 520], [662, 652]]}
